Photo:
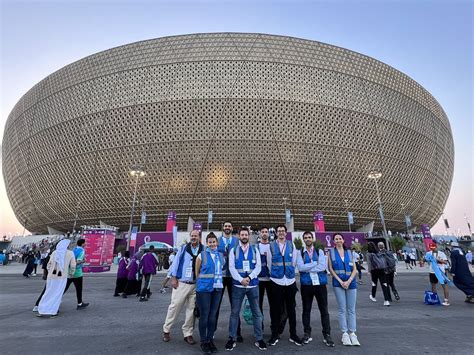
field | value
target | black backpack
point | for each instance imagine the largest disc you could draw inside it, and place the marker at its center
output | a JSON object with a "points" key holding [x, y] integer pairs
{"points": [[390, 261]]}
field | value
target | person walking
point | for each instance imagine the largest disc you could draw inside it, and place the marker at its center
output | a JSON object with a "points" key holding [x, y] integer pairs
{"points": [[359, 260], [225, 243], [133, 277], [412, 258], [282, 275], [406, 257], [61, 263], [390, 270], [209, 289], [148, 265], [438, 262], [343, 271], [462, 276], [183, 280], [312, 265], [122, 274], [469, 257], [77, 276], [30, 264], [245, 266], [377, 265]]}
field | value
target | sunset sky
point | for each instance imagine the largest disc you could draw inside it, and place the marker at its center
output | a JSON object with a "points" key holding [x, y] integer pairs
{"points": [[430, 41]]}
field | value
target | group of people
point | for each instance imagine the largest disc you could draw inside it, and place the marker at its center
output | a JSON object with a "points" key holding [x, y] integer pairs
{"points": [[200, 275], [61, 268]]}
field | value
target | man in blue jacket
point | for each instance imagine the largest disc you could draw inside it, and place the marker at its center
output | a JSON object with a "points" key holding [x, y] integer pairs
{"points": [[312, 265]]}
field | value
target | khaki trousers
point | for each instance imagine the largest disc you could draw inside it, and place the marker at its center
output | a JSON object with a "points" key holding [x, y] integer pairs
{"points": [[184, 294]]}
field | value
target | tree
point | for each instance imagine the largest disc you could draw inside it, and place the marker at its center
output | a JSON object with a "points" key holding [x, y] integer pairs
{"points": [[298, 243], [397, 243]]}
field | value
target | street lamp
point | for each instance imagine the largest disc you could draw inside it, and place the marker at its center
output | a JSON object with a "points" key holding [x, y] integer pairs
{"points": [[137, 172], [375, 175]]}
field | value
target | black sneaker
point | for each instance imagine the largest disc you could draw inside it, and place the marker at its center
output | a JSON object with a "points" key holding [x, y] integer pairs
{"points": [[205, 348], [261, 345], [116, 295], [212, 347], [397, 296], [124, 295], [82, 305], [273, 340], [295, 339], [328, 341], [307, 338], [230, 344], [240, 339]]}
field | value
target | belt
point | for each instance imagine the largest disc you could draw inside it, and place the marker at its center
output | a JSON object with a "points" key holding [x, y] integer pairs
{"points": [[189, 282]]}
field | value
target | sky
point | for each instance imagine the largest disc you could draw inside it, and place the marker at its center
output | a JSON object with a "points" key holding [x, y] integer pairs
{"points": [[430, 41]]}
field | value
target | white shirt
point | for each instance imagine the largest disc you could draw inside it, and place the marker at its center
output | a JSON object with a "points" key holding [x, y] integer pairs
{"points": [[284, 281], [233, 271], [171, 258], [438, 255]]}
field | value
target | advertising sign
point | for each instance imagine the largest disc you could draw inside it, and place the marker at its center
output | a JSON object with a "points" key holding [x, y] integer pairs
{"points": [[99, 249], [318, 221], [427, 239], [146, 237], [349, 238]]}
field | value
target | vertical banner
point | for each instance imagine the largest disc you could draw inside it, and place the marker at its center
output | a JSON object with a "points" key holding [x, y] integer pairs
{"points": [[133, 237], [287, 216], [427, 240], [209, 217], [170, 221], [350, 217], [318, 221], [408, 221], [197, 226], [143, 220], [446, 224]]}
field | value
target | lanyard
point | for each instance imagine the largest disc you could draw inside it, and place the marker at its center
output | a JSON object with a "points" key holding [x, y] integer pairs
{"points": [[245, 250], [282, 250], [195, 250], [310, 253]]}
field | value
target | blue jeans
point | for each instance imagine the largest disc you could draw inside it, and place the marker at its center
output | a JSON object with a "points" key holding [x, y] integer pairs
{"points": [[346, 301], [238, 294], [208, 303]]}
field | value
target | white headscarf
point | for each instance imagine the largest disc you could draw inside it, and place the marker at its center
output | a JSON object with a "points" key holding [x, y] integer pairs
{"points": [[60, 255]]}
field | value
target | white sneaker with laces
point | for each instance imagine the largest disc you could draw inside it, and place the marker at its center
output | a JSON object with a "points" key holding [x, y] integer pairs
{"points": [[373, 299], [35, 309], [386, 303], [346, 340], [446, 302], [354, 340]]}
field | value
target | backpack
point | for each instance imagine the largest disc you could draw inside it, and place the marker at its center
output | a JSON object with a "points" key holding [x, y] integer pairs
{"points": [[378, 261], [390, 261]]}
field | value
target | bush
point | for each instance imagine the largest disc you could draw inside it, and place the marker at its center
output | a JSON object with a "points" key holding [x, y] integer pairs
{"points": [[318, 245], [120, 249]]}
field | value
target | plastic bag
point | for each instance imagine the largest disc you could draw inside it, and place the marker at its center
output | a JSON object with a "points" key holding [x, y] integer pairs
{"points": [[247, 313], [432, 298]]}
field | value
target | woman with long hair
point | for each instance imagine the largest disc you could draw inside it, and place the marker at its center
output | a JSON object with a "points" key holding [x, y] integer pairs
{"points": [[209, 286], [343, 270]]}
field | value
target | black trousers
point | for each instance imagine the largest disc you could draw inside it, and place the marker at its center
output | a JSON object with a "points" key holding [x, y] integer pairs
{"points": [[308, 293], [40, 296], [359, 270], [380, 276], [262, 287], [390, 281], [283, 295], [120, 285], [227, 282], [132, 287], [146, 286], [77, 281]]}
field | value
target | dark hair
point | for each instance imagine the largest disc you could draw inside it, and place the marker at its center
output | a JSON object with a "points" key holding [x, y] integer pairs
{"points": [[339, 234], [307, 232], [264, 227], [281, 226], [371, 247], [244, 229], [227, 222], [127, 254], [80, 242], [211, 236]]}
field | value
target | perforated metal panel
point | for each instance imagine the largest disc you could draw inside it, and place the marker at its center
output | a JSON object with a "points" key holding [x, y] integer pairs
{"points": [[245, 119]]}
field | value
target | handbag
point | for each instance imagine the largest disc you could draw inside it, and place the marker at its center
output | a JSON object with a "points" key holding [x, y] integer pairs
{"points": [[196, 312], [431, 298]]}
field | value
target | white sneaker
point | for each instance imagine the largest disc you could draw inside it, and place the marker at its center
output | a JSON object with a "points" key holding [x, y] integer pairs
{"points": [[372, 298], [386, 303], [354, 340], [35, 309], [346, 340], [446, 302]]}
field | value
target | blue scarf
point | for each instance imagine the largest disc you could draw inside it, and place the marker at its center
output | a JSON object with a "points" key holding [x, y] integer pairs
{"points": [[441, 276], [217, 268]]}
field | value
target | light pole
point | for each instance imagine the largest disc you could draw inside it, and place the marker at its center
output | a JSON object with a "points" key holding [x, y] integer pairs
{"points": [[346, 203], [468, 225], [208, 209], [137, 172], [375, 175]]}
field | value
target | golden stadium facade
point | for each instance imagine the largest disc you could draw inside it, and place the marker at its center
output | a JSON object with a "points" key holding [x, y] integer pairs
{"points": [[250, 123]]}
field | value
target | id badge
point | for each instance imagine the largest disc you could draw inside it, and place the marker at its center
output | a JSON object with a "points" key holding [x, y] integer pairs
{"points": [[314, 278], [246, 266], [189, 272]]}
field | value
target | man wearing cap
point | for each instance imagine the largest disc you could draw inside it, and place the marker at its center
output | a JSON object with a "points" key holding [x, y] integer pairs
{"points": [[438, 263]]}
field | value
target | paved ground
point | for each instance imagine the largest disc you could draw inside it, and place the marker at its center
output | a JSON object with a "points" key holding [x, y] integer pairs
{"points": [[114, 325]]}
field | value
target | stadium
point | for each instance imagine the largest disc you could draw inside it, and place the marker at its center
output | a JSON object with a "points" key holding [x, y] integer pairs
{"points": [[246, 125]]}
